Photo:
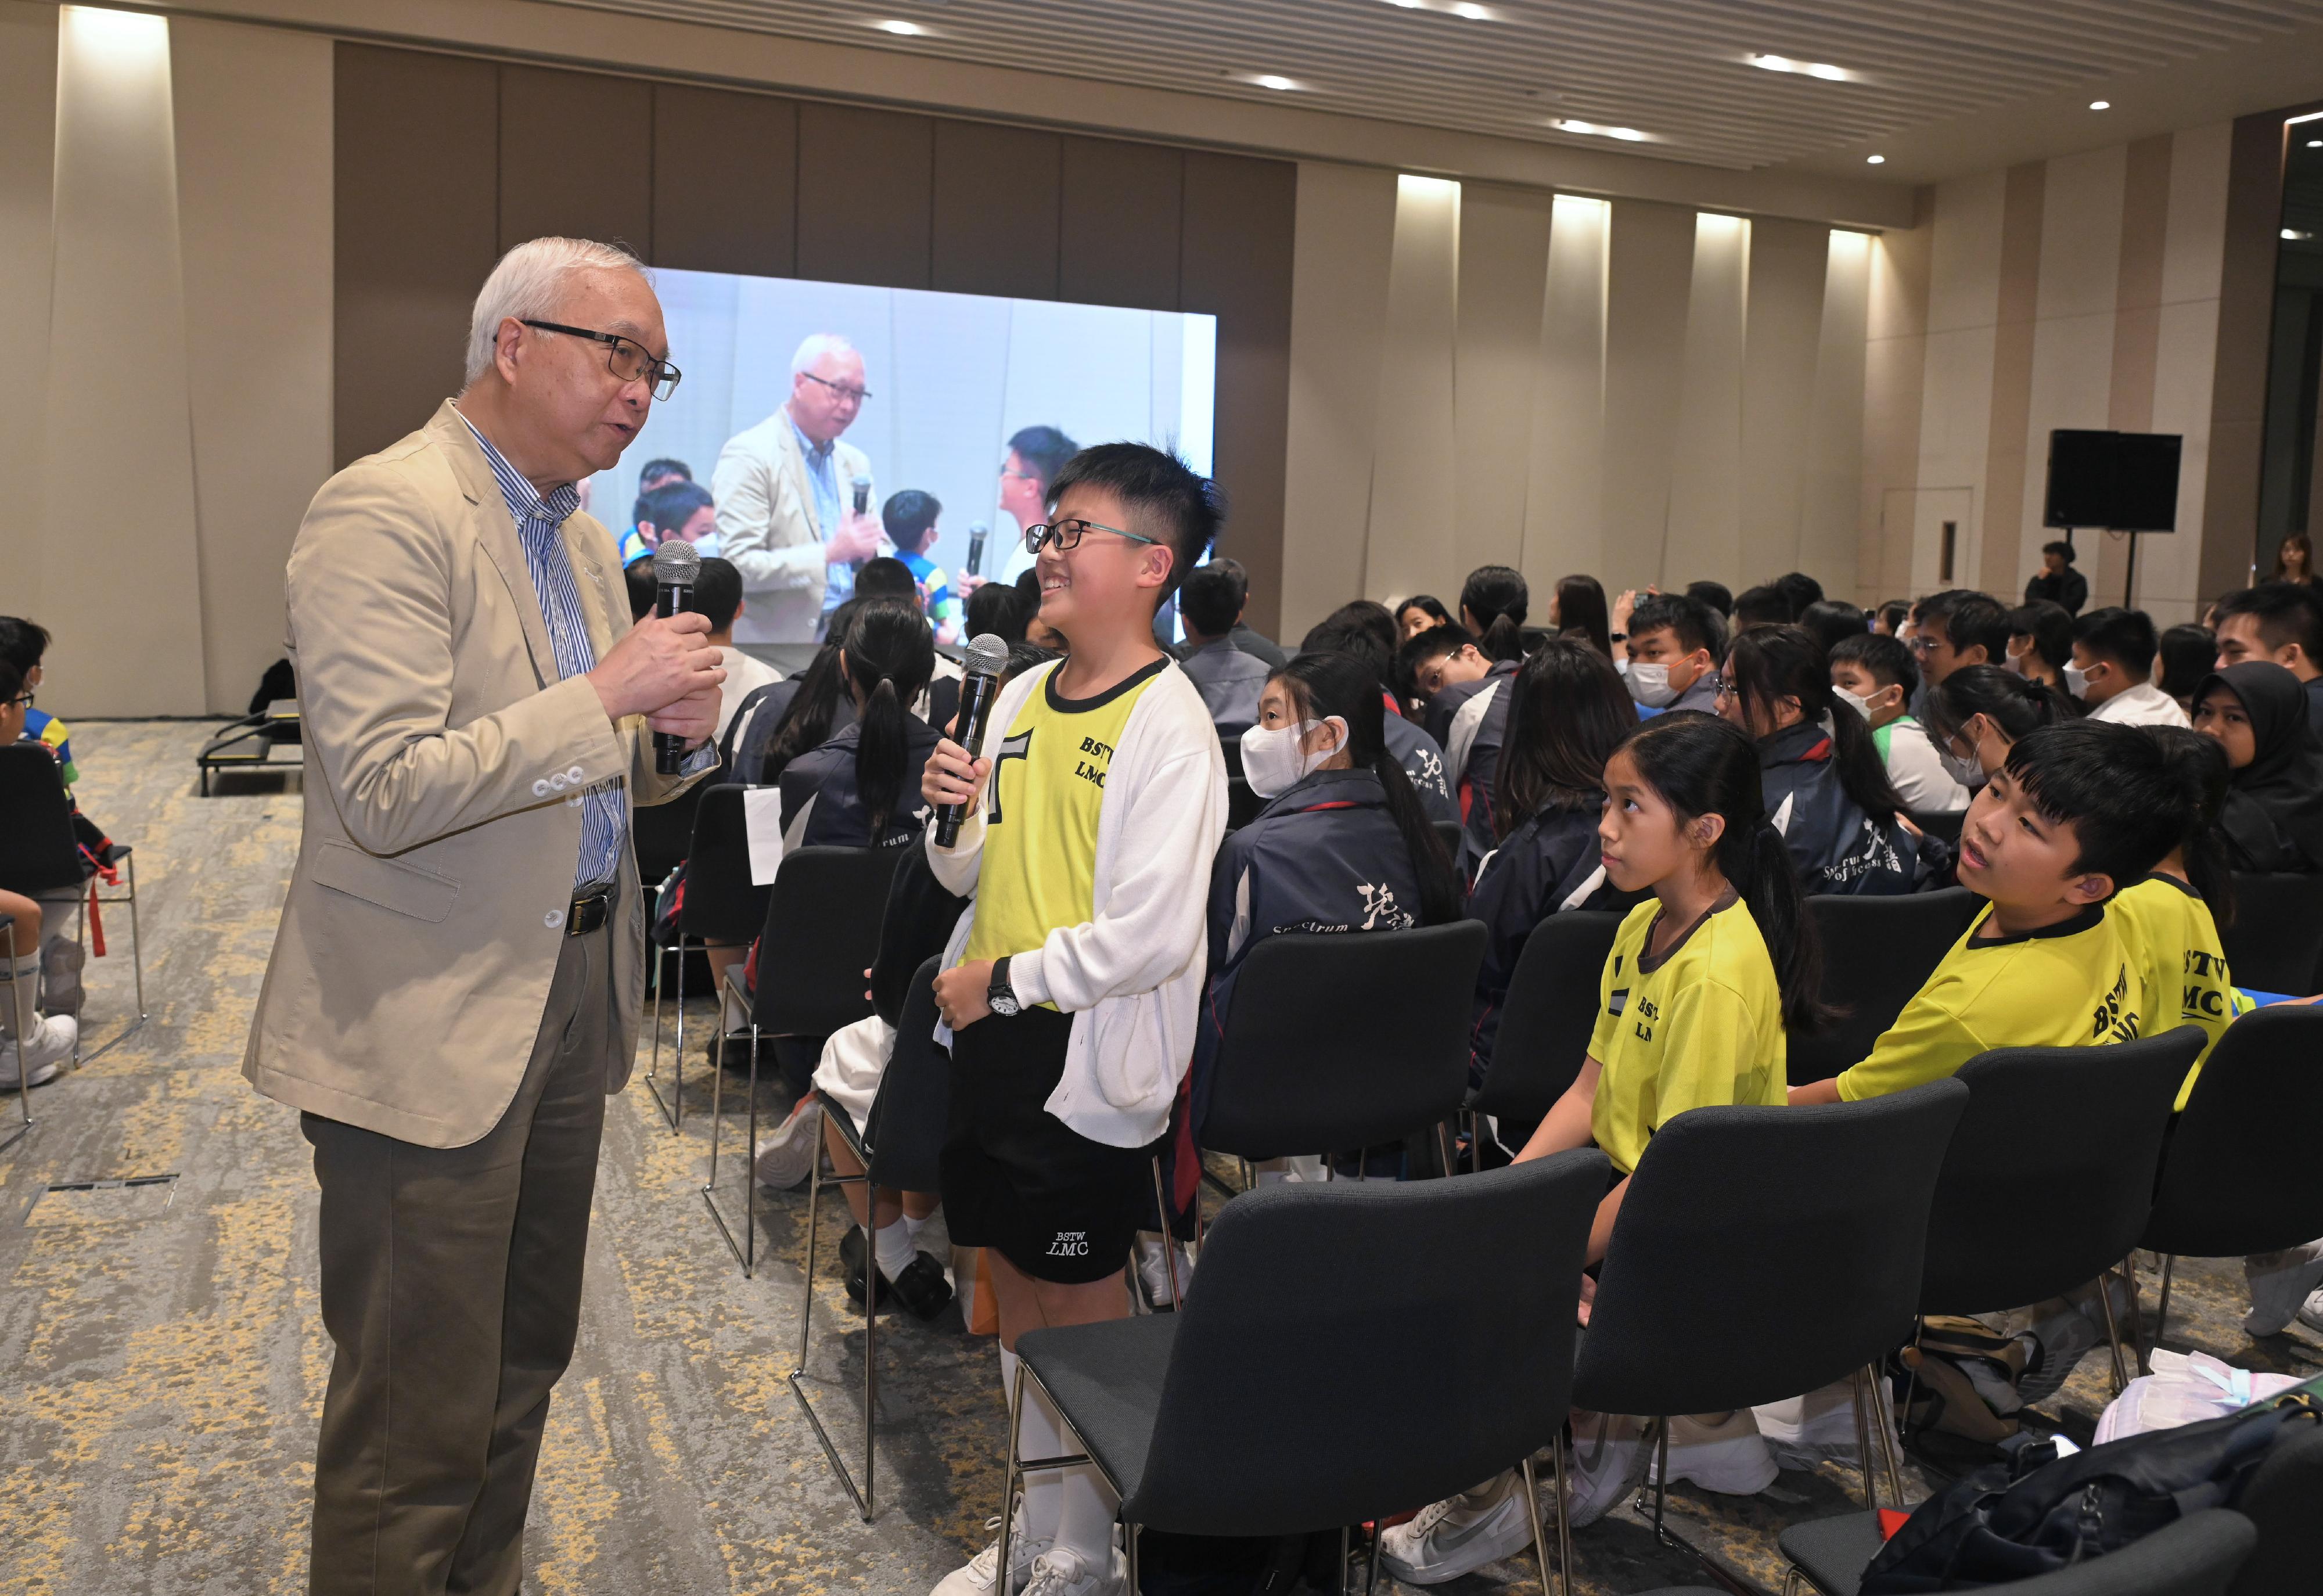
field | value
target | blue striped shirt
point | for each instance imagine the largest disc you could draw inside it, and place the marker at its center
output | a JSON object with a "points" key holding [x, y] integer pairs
{"points": [[604, 808]]}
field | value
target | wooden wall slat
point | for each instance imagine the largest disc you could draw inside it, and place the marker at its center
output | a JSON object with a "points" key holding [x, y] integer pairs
{"points": [[865, 184], [576, 157], [415, 166], [996, 208], [725, 182], [1122, 220]]}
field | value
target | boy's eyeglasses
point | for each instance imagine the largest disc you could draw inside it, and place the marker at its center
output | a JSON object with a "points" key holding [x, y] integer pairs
{"points": [[626, 359], [1066, 535], [26, 699]]}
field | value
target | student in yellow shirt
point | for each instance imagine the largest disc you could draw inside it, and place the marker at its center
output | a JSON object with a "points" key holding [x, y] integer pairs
{"points": [[1703, 981]]}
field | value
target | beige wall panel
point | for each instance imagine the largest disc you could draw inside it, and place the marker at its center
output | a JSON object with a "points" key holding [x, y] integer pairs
{"points": [[1649, 278], [2001, 510], [2082, 198], [1964, 259], [1410, 546], [1706, 508], [2080, 231], [1564, 501], [1894, 376], [1503, 266], [1789, 264], [1955, 436], [1338, 308], [2137, 296], [2192, 243], [2169, 569], [28, 124], [117, 415], [1829, 491], [254, 215]]}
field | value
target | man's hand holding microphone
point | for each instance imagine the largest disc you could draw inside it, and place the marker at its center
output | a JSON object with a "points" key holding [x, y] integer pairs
{"points": [[664, 670]]}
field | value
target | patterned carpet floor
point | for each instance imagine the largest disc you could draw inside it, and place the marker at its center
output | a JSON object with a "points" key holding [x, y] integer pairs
{"points": [[164, 1360]]}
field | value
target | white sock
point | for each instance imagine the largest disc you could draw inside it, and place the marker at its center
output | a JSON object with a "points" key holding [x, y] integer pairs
{"points": [[891, 1244], [912, 1227], [1039, 1435]]}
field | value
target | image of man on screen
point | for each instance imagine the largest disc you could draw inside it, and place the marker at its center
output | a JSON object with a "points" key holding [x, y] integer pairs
{"points": [[1035, 455], [786, 490]]}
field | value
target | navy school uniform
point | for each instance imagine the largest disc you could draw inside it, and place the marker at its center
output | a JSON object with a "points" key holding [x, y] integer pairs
{"points": [[1422, 759], [1549, 864], [1473, 737], [1836, 847], [821, 808]]}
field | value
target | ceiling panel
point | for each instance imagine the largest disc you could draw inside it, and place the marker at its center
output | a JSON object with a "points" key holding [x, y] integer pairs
{"points": [[1675, 71]]}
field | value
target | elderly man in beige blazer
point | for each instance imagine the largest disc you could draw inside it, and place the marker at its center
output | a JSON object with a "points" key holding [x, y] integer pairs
{"points": [[456, 984], [785, 494]]}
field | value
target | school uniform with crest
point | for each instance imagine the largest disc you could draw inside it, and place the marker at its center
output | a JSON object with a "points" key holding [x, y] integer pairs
{"points": [[1473, 737], [1551, 863], [822, 808], [2180, 960], [1836, 847]]}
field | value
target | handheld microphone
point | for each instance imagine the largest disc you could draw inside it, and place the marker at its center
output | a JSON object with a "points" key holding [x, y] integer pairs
{"points": [[862, 495], [976, 536], [676, 565], [979, 686]]}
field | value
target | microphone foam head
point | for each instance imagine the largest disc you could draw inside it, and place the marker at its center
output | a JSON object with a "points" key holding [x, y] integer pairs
{"points": [[676, 563], [987, 656]]}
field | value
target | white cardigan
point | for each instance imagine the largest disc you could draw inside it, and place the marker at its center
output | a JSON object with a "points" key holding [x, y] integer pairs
{"points": [[1131, 976]]}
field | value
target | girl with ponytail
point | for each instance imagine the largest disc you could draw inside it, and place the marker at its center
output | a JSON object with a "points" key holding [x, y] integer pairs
{"points": [[861, 789], [1493, 604], [1824, 781], [2169, 921], [1979, 713]]}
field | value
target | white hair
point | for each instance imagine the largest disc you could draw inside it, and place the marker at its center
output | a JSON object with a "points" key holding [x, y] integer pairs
{"points": [[529, 282], [815, 346]]}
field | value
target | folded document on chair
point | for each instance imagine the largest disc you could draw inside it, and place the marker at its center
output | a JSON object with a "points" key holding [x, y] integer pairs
{"points": [[762, 818]]}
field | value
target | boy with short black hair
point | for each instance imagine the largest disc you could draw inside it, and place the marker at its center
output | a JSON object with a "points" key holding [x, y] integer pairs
{"points": [[1874, 675], [1439, 669], [2278, 621], [910, 518], [1072, 983], [1230, 680], [23, 644], [2112, 670], [1674, 643], [1955, 628], [1468, 716], [718, 595]]}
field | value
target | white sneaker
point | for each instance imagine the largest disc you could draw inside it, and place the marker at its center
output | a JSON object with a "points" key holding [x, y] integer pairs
{"points": [[2310, 1312], [2279, 1285], [1153, 1271], [1060, 1571], [977, 1577], [787, 1157], [1725, 1454], [1460, 1534], [1610, 1452], [1806, 1431], [52, 1040]]}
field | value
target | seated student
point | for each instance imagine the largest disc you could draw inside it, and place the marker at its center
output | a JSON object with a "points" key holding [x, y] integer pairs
{"points": [[1567, 711], [1419, 613], [1674, 643], [1492, 605], [718, 595], [2188, 654], [777, 723], [997, 609], [2272, 820], [2057, 582], [1354, 628], [1874, 675], [1445, 669], [1765, 605], [1704, 978], [1893, 619], [2112, 669], [1577, 610], [887, 577], [35, 1056], [1833, 622], [1241, 634], [24, 644], [1716, 595], [910, 520], [2280, 622], [1228, 679], [677, 507], [2041, 642], [1951, 630], [1468, 715], [1981, 711], [1802, 592], [860, 788], [1823, 779]]}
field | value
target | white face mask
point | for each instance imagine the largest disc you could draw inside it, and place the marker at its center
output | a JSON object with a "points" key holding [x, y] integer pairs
{"points": [[707, 548], [1968, 771], [1272, 762], [1649, 684], [2076, 680], [1853, 700]]}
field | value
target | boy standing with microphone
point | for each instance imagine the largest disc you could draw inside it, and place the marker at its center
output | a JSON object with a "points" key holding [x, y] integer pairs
{"points": [[1074, 979]]}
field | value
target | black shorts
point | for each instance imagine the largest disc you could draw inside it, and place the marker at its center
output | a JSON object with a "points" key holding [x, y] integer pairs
{"points": [[1017, 1179]]}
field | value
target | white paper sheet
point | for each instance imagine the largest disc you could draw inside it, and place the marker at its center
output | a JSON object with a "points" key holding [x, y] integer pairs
{"points": [[762, 818]]}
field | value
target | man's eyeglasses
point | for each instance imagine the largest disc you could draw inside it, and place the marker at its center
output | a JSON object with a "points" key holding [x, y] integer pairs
{"points": [[1066, 535], [624, 357], [842, 389]]}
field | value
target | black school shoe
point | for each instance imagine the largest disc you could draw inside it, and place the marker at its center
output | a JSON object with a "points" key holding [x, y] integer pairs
{"points": [[921, 1288]]}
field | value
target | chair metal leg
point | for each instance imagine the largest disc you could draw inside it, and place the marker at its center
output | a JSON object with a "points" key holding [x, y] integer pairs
{"points": [[1444, 1144], [671, 1106], [2113, 1336], [1169, 1237], [136, 965], [2161, 1307], [1531, 1486], [1563, 1519], [1887, 1435], [746, 1250], [862, 1498], [24, 1005], [1863, 1444], [1129, 1533], [1010, 1480], [1344, 1555], [2137, 1337]]}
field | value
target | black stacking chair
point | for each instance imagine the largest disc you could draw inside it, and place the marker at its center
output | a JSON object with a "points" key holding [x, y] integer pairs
{"points": [[2280, 1500], [1243, 805], [1944, 824], [1876, 955], [2276, 941], [40, 852], [821, 932], [1233, 1416], [897, 1149], [1765, 1251], [2197, 1555], [662, 833], [2222, 1194], [720, 906], [1452, 834], [1545, 1022], [2050, 1178], [1339, 1042]]}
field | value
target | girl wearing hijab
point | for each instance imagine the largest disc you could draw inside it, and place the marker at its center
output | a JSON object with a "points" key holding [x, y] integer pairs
{"points": [[2273, 814]]}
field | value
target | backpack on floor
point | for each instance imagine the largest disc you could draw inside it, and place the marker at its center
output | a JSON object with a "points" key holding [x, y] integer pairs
{"points": [[2037, 1513]]}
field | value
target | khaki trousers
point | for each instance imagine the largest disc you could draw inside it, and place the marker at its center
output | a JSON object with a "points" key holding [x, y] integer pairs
{"points": [[450, 1286]]}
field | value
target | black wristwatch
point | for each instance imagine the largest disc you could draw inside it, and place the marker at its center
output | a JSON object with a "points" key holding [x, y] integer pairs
{"points": [[1001, 998]]}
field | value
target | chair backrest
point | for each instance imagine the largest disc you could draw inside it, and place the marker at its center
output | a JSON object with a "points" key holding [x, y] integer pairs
{"points": [[2280, 1500], [1340, 1042], [2276, 940], [822, 933], [720, 904], [906, 1128], [2225, 1190], [1243, 805], [1547, 1018], [1394, 1386], [1944, 823], [37, 850], [663, 833], [1452, 834], [1763, 1251], [1877, 952], [2050, 1177]]}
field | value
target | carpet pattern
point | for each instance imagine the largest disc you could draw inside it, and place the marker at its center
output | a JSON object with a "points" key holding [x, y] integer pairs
{"points": [[165, 1359]]}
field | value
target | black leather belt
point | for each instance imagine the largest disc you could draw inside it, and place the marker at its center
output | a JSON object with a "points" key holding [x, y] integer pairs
{"points": [[593, 906]]}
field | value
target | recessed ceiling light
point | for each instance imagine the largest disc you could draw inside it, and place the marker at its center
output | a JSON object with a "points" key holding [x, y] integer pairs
{"points": [[1472, 10], [1271, 80], [1875, 160], [1567, 124], [2295, 235], [2100, 105], [1783, 63], [1406, 4], [901, 30], [2315, 143]]}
